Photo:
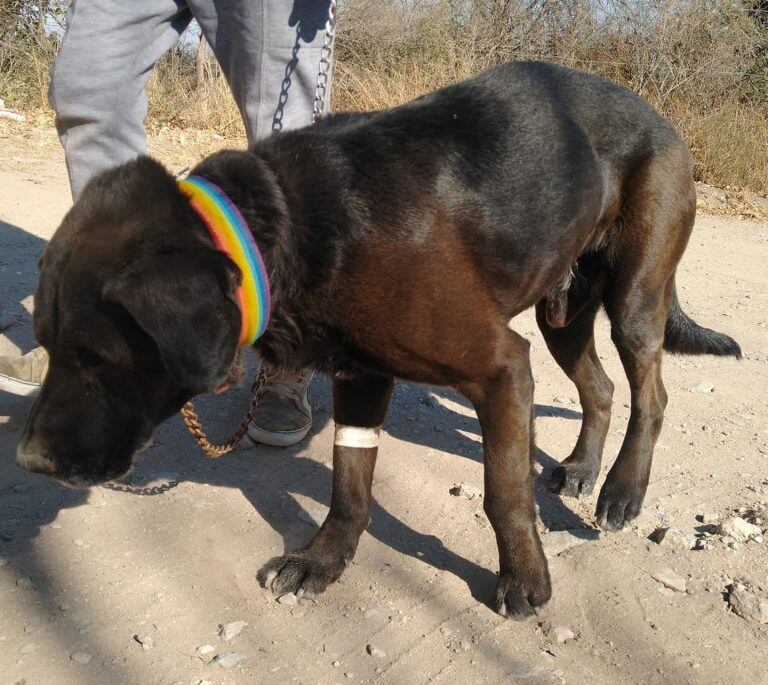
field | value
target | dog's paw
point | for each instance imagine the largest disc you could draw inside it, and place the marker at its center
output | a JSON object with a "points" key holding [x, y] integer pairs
{"points": [[300, 573], [619, 504], [521, 592], [573, 479]]}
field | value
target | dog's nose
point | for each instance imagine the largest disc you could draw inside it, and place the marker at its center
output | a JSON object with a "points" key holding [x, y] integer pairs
{"points": [[30, 456]]}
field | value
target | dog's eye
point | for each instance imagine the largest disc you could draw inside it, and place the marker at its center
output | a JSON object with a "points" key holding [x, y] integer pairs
{"points": [[89, 359]]}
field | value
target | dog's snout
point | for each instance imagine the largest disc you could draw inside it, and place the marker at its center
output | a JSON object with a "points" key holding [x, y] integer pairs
{"points": [[30, 456]]}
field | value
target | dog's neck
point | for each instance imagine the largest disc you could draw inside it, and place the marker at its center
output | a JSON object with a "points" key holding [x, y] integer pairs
{"points": [[232, 236], [252, 185]]}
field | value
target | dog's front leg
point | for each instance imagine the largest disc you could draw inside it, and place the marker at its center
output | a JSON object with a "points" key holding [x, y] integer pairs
{"points": [[504, 404], [359, 407]]}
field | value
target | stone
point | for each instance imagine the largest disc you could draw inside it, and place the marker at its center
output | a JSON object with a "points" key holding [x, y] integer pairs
{"points": [[562, 399], [229, 659], [27, 648], [84, 626], [375, 652], [147, 642], [205, 650], [466, 490], [558, 633], [229, 631], [288, 599], [704, 387], [24, 582], [738, 529], [81, 657], [668, 578], [709, 518], [558, 541], [747, 605], [336, 663], [672, 537]]}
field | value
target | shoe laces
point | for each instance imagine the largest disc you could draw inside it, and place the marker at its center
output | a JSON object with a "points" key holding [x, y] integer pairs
{"points": [[290, 385]]}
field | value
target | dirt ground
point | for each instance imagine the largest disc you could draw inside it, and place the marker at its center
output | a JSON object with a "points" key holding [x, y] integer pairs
{"points": [[82, 573]]}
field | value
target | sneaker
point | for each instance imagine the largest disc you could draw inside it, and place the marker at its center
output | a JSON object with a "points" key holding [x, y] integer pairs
{"points": [[283, 416], [23, 375]]}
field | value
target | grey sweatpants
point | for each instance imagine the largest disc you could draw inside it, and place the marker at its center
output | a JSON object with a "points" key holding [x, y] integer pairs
{"points": [[269, 51]]}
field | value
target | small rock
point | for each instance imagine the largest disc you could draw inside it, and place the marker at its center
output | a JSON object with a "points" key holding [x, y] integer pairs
{"points": [[288, 599], [738, 529], [672, 537], [466, 490], [703, 387], [24, 582], [81, 657], [27, 648], [3, 562], [558, 633], [562, 399], [22, 487], [667, 577], [229, 631], [709, 518], [558, 541], [371, 613], [203, 682], [336, 663], [84, 626], [147, 642], [747, 605], [205, 650], [375, 652], [230, 659]]}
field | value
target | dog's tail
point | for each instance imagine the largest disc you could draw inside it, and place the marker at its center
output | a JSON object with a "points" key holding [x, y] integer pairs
{"points": [[684, 336]]}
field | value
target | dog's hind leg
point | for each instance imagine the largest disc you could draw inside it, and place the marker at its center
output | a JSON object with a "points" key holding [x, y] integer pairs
{"points": [[359, 407], [657, 221], [504, 404], [573, 348]]}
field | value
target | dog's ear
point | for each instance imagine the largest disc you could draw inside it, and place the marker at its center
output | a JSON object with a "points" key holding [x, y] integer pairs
{"points": [[187, 302]]}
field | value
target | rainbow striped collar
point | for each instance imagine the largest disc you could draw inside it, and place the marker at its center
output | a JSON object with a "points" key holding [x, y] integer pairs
{"points": [[233, 237]]}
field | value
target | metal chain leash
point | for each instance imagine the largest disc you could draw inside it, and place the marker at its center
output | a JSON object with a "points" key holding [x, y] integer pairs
{"points": [[192, 420], [323, 75]]}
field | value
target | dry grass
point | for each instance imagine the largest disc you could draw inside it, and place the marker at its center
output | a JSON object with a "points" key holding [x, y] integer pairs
{"points": [[703, 63]]}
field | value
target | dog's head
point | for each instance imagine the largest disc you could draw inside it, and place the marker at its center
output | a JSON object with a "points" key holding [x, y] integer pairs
{"points": [[138, 312]]}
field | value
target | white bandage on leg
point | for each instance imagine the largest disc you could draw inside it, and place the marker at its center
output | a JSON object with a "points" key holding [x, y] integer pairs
{"points": [[352, 436]]}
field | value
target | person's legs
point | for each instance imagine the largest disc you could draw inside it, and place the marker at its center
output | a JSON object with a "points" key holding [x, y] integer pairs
{"points": [[269, 52], [99, 77], [97, 91]]}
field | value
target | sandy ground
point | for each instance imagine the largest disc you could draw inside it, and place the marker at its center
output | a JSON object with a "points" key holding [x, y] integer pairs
{"points": [[84, 572]]}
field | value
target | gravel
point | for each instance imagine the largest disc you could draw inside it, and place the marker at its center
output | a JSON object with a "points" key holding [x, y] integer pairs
{"points": [[740, 530], [747, 605], [668, 578], [229, 659], [466, 490], [229, 631]]}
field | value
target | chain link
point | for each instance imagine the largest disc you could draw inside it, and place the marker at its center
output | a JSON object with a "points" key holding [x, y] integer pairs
{"points": [[192, 420], [323, 75]]}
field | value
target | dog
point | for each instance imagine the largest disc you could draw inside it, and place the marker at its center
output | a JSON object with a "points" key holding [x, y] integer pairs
{"points": [[398, 243]]}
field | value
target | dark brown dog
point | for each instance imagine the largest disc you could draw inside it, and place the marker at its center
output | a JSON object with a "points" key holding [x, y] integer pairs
{"points": [[398, 243]]}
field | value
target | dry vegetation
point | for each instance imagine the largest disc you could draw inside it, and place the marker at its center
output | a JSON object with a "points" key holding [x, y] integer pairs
{"points": [[703, 63]]}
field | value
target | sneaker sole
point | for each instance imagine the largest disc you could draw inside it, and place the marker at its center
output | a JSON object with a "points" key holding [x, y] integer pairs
{"points": [[17, 387], [278, 438]]}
